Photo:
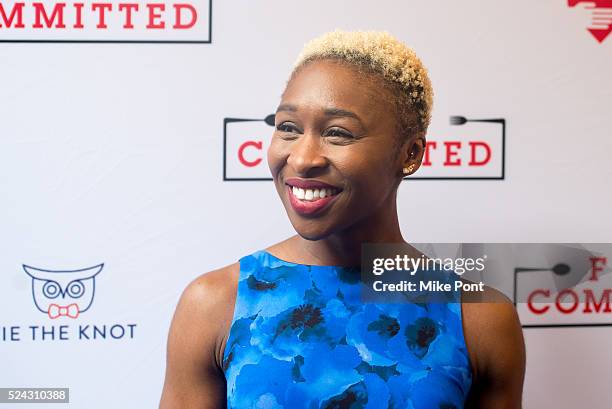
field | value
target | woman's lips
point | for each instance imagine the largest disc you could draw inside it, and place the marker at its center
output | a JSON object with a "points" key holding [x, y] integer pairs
{"points": [[313, 204], [309, 183]]}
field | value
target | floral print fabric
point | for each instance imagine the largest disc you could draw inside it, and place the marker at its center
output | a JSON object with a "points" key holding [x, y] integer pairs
{"points": [[301, 338]]}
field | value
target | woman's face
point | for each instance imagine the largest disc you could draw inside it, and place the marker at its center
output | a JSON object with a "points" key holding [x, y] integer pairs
{"points": [[333, 155]]}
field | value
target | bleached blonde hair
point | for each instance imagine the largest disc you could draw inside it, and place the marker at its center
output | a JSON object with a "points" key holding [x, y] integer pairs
{"points": [[378, 52]]}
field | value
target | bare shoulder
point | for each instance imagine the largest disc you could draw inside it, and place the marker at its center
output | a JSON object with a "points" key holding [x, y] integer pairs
{"points": [[496, 347], [201, 321], [209, 288], [207, 304]]}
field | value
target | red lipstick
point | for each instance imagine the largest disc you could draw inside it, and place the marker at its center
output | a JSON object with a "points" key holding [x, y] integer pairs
{"points": [[315, 204], [309, 184]]}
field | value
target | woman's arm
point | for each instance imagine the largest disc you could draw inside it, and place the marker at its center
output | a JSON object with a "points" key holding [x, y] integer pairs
{"points": [[196, 339], [497, 350]]}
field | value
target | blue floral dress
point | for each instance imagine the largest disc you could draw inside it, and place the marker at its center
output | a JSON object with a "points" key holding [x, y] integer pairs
{"points": [[300, 337]]}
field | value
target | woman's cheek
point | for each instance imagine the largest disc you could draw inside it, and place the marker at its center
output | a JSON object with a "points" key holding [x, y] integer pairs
{"points": [[276, 156]]}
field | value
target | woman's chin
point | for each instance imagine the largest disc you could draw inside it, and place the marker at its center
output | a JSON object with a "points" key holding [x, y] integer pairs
{"points": [[311, 232]]}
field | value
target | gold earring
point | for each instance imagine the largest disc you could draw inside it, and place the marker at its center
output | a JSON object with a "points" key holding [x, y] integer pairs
{"points": [[409, 169]]}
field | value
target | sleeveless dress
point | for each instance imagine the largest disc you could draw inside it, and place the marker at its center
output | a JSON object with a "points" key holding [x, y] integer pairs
{"points": [[300, 337]]}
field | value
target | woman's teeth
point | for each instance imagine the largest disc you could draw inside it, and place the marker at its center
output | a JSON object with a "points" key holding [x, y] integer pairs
{"points": [[310, 195]]}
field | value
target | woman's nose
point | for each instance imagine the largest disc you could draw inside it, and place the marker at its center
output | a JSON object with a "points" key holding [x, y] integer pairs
{"points": [[306, 154]]}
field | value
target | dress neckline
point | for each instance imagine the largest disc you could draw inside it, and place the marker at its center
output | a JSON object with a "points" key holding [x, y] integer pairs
{"points": [[272, 256]]}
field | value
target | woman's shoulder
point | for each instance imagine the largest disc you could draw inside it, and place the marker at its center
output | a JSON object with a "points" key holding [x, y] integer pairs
{"points": [[217, 288], [494, 339], [491, 312], [206, 307], [196, 336], [208, 287], [211, 291]]}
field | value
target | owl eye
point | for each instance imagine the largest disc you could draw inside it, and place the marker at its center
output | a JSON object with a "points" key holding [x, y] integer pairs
{"points": [[51, 289], [76, 289]]}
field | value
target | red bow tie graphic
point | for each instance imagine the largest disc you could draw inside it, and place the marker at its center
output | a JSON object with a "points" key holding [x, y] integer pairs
{"points": [[71, 310]]}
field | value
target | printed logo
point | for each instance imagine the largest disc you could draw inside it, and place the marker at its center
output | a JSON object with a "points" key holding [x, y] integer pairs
{"points": [[245, 142], [63, 293], [467, 149], [111, 21], [601, 16], [571, 291]]}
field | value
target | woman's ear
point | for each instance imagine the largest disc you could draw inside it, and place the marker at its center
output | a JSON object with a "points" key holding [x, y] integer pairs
{"points": [[413, 154]]}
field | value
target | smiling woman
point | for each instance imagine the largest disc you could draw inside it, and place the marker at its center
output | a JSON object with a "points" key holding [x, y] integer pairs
{"points": [[285, 327], [336, 129]]}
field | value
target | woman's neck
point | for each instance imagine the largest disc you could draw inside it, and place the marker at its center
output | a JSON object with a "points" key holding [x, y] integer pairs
{"points": [[344, 248]]}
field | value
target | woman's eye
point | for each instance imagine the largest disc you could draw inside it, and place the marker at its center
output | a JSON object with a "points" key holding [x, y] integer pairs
{"points": [[338, 132], [286, 127]]}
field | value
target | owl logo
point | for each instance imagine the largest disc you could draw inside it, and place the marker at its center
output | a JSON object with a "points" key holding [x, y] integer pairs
{"points": [[65, 293]]}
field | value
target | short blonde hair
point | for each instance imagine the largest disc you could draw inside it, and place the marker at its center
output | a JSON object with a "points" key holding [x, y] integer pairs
{"points": [[378, 52]]}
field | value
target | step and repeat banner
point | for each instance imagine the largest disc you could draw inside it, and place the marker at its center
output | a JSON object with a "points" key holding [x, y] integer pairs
{"points": [[133, 141]]}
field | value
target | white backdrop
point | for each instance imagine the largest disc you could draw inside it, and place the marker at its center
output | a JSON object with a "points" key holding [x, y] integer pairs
{"points": [[113, 153]]}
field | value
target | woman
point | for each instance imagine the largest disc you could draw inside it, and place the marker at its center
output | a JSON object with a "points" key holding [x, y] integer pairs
{"points": [[284, 327]]}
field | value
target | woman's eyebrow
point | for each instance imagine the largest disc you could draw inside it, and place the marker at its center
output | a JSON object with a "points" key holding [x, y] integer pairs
{"points": [[286, 107], [341, 112], [328, 111]]}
